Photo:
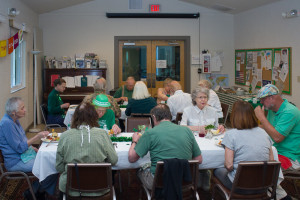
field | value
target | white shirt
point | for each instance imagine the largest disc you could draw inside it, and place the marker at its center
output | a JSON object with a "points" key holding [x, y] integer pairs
{"points": [[193, 116], [214, 102], [178, 102]]}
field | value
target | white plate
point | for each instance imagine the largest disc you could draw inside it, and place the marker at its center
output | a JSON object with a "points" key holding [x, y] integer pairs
{"points": [[218, 143], [49, 140]]}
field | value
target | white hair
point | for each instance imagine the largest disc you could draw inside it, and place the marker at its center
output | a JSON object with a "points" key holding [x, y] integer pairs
{"points": [[140, 91], [12, 105]]}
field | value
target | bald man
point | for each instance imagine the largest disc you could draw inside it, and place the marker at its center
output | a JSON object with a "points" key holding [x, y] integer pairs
{"points": [[179, 100], [124, 93]]}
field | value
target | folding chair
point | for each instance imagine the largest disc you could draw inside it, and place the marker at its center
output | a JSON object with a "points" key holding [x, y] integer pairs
{"points": [[293, 175], [225, 110], [90, 178], [44, 109], [252, 181], [17, 175], [189, 189], [134, 122]]}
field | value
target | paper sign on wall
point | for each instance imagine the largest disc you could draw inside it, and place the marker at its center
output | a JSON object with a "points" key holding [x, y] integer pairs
{"points": [[161, 64]]}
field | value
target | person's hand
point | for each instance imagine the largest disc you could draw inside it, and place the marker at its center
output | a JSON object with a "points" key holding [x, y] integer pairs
{"points": [[43, 134], [124, 98], [260, 113], [136, 136], [221, 128], [116, 129], [65, 105]]}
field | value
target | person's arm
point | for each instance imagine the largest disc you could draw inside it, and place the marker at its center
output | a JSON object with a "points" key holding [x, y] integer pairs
{"points": [[132, 155], [161, 95], [37, 137], [265, 124], [229, 155], [199, 158], [271, 156]]}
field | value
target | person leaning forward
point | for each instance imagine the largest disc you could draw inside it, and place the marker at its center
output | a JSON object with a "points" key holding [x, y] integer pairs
{"points": [[124, 93], [166, 140]]}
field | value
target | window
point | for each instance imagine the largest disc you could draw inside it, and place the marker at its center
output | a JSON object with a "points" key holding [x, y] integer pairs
{"points": [[18, 72]]}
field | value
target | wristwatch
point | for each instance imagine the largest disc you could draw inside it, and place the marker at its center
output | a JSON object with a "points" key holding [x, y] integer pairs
{"points": [[133, 142]]}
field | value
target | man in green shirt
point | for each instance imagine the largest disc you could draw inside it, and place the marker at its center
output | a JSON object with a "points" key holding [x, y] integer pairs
{"points": [[165, 141], [56, 107], [124, 93], [283, 126]]}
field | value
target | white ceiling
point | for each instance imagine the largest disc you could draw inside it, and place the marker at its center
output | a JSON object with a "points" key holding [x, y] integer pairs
{"points": [[228, 6], [231, 6]]}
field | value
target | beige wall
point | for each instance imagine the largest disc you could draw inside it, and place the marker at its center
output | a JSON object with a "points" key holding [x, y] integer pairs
{"points": [[31, 19]]}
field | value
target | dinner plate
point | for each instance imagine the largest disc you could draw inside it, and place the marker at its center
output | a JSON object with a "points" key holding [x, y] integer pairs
{"points": [[49, 140], [218, 143]]}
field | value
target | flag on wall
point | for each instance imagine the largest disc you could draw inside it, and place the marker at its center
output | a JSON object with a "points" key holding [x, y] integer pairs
{"points": [[3, 48], [10, 45], [20, 35], [239, 77], [16, 40]]}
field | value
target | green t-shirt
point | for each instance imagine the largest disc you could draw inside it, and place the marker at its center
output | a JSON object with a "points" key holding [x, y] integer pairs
{"points": [[54, 102], [287, 122], [127, 93], [108, 118], [166, 141]]}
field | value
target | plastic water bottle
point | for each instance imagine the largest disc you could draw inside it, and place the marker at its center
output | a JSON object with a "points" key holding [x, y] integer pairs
{"points": [[105, 128]]}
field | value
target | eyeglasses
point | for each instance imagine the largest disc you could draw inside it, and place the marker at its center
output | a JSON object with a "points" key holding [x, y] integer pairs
{"points": [[202, 97]]}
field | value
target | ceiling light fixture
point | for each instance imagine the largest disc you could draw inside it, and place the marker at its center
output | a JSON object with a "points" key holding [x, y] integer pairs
{"points": [[290, 14], [12, 12]]}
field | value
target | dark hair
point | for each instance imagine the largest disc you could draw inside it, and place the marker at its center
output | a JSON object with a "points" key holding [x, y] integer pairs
{"points": [[243, 116], [161, 111], [58, 81], [85, 114]]}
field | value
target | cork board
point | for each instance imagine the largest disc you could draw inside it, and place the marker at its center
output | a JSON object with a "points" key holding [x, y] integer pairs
{"points": [[262, 66]]}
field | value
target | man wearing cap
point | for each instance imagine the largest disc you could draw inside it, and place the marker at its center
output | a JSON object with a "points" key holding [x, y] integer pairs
{"points": [[282, 124], [124, 93], [106, 116]]}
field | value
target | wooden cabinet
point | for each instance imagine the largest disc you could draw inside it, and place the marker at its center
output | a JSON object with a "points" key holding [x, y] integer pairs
{"points": [[71, 95]]}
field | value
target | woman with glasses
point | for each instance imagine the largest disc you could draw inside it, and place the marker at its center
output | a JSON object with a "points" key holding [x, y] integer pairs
{"points": [[199, 115]]}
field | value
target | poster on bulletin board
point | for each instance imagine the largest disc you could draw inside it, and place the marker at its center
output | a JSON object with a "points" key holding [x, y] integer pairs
{"points": [[258, 67]]}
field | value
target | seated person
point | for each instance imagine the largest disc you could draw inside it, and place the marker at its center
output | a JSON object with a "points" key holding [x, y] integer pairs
{"points": [[85, 142], [213, 100], [199, 115], [245, 142], [124, 93], [99, 88], [56, 107], [141, 101], [106, 116], [16, 149], [166, 140], [164, 93]]}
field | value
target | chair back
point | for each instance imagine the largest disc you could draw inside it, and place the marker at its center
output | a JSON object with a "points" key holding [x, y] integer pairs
{"points": [[225, 110], [178, 117], [44, 109], [189, 189], [2, 167], [93, 178], [134, 122], [255, 177]]}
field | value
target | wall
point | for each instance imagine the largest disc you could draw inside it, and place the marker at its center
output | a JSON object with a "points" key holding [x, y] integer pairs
{"points": [[264, 27], [85, 28], [31, 19]]}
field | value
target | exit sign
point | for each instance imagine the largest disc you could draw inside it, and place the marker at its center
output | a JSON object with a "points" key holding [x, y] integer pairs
{"points": [[154, 8]]}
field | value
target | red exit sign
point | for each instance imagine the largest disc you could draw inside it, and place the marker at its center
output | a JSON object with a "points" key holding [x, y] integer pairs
{"points": [[155, 8]]}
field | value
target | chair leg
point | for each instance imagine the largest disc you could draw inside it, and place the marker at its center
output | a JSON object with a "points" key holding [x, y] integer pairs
{"points": [[296, 188]]}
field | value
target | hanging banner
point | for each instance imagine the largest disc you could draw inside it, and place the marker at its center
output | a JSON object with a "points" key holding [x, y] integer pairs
{"points": [[16, 40], [10, 45], [20, 36], [3, 48]]}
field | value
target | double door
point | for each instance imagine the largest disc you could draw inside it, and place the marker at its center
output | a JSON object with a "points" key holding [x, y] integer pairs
{"points": [[152, 62]]}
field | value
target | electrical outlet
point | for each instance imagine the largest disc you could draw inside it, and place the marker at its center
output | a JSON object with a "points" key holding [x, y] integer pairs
{"points": [[199, 71]]}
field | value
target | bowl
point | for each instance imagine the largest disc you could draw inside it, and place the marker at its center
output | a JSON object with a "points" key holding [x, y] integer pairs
{"points": [[240, 92]]}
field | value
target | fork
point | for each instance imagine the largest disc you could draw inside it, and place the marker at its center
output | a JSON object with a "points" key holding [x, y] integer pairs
{"points": [[49, 142]]}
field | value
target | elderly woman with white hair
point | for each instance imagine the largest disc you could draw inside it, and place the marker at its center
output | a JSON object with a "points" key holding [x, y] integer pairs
{"points": [[199, 115], [17, 150], [213, 100], [141, 101]]}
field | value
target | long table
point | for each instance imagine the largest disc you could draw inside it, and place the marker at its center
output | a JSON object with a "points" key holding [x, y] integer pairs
{"points": [[213, 156]]}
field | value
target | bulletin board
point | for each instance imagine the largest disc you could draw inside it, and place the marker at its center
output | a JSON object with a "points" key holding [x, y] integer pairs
{"points": [[258, 67]]}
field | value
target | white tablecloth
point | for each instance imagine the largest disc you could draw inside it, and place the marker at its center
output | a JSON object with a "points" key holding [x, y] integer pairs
{"points": [[123, 116], [213, 156], [69, 115]]}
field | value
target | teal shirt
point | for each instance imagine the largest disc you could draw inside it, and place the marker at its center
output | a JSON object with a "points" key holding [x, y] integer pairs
{"points": [[108, 118], [127, 93], [167, 140], [54, 102], [287, 122], [140, 106]]}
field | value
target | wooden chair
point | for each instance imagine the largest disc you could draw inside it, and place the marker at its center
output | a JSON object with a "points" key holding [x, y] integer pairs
{"points": [[254, 178], [44, 109], [178, 117], [225, 110], [134, 122], [17, 175], [293, 175], [96, 177], [189, 189]]}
